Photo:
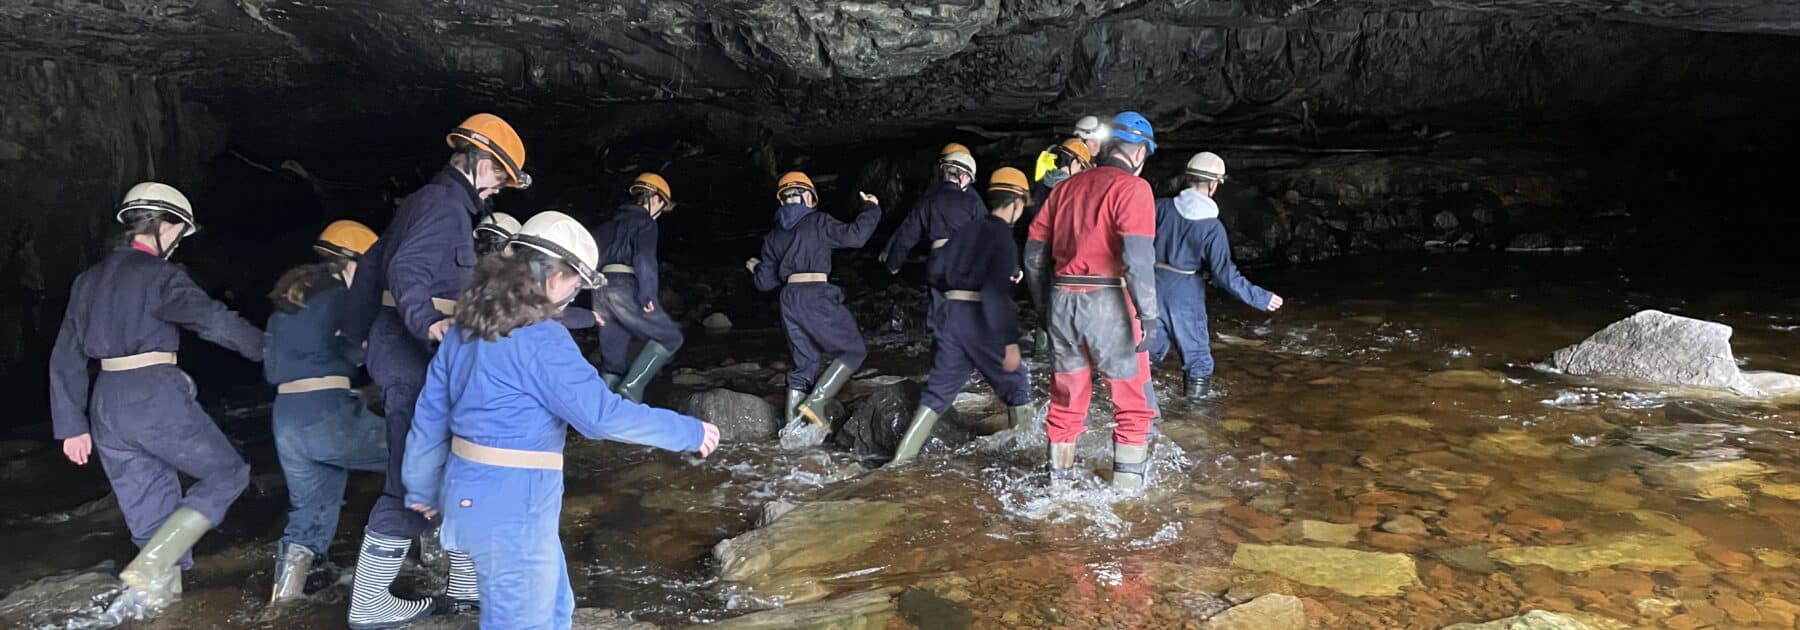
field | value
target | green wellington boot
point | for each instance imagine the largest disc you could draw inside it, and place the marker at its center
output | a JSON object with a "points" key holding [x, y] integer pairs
{"points": [[917, 432], [792, 412], [649, 361], [149, 574], [1021, 417], [1129, 466], [612, 382], [815, 406], [1062, 463]]}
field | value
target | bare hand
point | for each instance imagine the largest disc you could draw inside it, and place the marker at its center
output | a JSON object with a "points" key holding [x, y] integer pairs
{"points": [[709, 441], [1011, 363], [428, 511], [649, 307], [1274, 302], [750, 265], [78, 448], [599, 320], [438, 330], [869, 198]]}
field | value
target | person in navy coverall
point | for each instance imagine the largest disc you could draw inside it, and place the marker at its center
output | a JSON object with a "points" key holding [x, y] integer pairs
{"points": [[628, 303]]}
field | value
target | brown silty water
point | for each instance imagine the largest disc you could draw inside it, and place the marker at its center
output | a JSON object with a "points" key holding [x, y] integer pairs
{"points": [[1383, 448]]}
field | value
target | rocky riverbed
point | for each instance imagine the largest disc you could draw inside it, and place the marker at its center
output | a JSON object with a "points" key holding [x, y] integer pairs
{"points": [[1384, 454]]}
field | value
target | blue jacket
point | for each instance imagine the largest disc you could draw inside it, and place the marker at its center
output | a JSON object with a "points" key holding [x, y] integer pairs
{"points": [[943, 210], [305, 343], [983, 257], [1190, 237], [430, 248], [132, 302], [523, 391], [804, 240], [629, 238]]}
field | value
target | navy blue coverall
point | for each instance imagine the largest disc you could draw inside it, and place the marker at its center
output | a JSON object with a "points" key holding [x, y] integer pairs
{"points": [[1191, 241], [427, 252], [629, 238], [813, 313], [973, 335], [146, 425], [320, 435], [943, 210]]}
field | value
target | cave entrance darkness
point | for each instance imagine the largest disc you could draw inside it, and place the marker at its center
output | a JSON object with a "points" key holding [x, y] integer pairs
{"points": [[1444, 195]]}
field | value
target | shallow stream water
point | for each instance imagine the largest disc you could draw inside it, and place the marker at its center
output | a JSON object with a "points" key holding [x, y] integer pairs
{"points": [[1397, 399]]}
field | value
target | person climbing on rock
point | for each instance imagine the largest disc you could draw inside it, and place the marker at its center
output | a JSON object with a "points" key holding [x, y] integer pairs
{"points": [[128, 311], [322, 428], [428, 252], [1090, 258], [493, 231], [980, 327], [796, 258], [486, 446], [628, 303], [945, 208], [1190, 241]]}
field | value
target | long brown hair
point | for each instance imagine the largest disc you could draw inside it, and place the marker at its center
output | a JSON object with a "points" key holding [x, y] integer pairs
{"points": [[289, 294], [506, 292]]}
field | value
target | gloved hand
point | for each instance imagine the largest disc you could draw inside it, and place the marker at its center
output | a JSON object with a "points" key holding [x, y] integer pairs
{"points": [[1152, 331], [750, 265]]}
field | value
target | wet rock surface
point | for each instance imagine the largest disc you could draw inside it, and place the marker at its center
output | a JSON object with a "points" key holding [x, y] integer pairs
{"points": [[1661, 349], [1269, 612], [1359, 573], [52, 599], [740, 417], [860, 611], [882, 417], [780, 562]]}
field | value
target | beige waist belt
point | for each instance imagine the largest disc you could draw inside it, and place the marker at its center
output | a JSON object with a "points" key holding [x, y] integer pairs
{"points": [[317, 383], [939, 243], [808, 277], [445, 306], [1173, 268], [135, 361], [963, 296], [505, 457], [618, 269]]}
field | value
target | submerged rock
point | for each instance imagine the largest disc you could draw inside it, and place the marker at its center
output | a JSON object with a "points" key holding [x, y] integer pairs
{"points": [[784, 562], [870, 610], [583, 619], [1513, 444], [881, 419], [740, 417], [1321, 531], [1541, 620], [1705, 479], [1359, 573], [1659, 348], [1632, 549], [53, 600], [1269, 612]]}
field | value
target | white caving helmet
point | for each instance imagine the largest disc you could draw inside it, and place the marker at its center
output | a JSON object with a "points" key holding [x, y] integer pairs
{"points": [[499, 224], [960, 160], [162, 198], [1090, 128], [1208, 166], [563, 237]]}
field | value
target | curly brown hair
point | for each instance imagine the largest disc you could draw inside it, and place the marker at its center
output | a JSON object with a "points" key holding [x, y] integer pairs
{"points": [[506, 292], [289, 294]]}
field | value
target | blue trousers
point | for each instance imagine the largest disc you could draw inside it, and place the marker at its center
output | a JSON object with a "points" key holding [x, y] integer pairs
{"points": [[1183, 300], [320, 437], [397, 362], [817, 326], [506, 520], [147, 427], [964, 347], [626, 319]]}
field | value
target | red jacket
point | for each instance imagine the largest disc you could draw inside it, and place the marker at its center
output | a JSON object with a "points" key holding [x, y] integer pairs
{"points": [[1087, 217]]}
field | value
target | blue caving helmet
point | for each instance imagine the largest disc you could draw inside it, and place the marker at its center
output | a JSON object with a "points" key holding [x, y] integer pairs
{"points": [[1133, 128]]}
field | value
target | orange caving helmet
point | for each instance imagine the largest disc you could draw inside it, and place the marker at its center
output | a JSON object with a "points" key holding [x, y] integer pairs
{"points": [[653, 183], [793, 180], [1009, 179], [491, 134], [1078, 150], [954, 148], [345, 239]]}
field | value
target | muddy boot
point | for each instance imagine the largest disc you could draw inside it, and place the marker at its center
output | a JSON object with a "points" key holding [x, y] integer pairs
{"points": [[372, 606], [150, 574], [649, 361], [817, 403], [612, 381], [1062, 463], [292, 562], [917, 433], [1198, 388], [1130, 464], [1021, 417]]}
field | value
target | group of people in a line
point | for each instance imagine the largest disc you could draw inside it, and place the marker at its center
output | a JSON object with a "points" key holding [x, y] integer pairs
{"points": [[462, 317]]}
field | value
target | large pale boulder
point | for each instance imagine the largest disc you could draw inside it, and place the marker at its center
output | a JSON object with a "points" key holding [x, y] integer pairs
{"points": [[1663, 349], [785, 561], [870, 610], [1359, 573], [1269, 612]]}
